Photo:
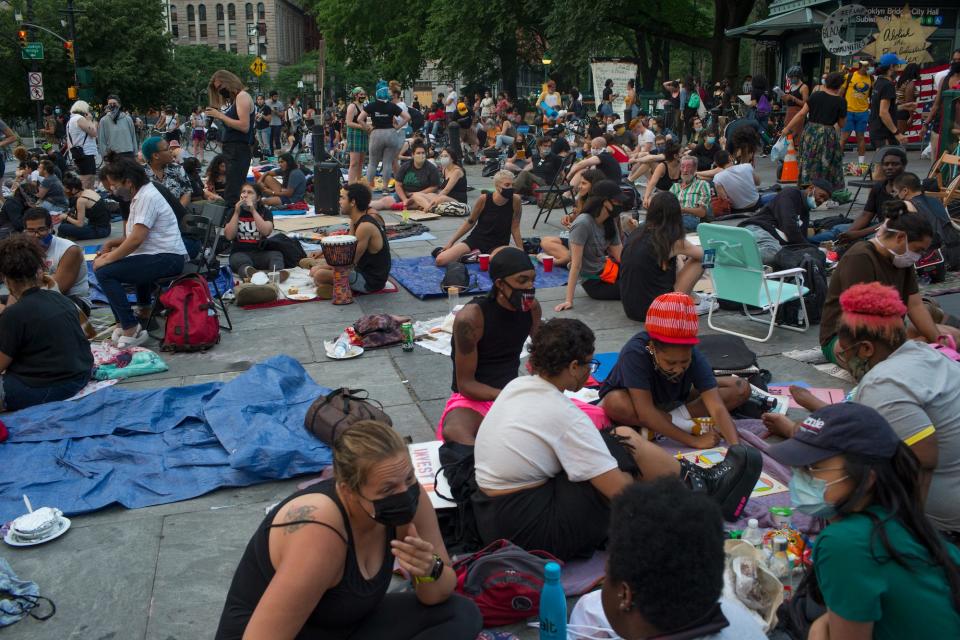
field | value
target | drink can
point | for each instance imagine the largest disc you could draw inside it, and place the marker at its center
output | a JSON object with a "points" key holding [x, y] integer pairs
{"points": [[781, 516], [406, 329]]}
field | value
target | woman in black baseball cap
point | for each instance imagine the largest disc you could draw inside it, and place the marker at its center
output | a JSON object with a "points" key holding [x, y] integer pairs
{"points": [[881, 567]]}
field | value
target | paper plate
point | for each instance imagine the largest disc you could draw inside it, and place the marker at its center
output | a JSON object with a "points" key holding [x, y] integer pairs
{"points": [[300, 296], [14, 542], [352, 353]]}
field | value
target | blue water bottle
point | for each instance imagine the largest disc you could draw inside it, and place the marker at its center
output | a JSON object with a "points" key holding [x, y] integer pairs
{"points": [[553, 605]]}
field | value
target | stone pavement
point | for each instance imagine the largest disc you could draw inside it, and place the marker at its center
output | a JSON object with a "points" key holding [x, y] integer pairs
{"points": [[161, 573]]}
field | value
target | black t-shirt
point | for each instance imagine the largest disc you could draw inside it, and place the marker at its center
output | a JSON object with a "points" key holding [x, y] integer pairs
{"points": [[642, 276], [610, 167], [607, 93], [705, 153], [883, 89], [875, 199], [42, 334], [547, 167], [734, 126], [786, 217], [414, 179], [248, 236], [382, 113], [465, 120], [825, 108]]}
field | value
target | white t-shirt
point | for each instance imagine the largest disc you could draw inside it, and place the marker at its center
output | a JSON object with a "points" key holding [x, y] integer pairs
{"points": [[738, 182], [450, 102], [150, 209], [51, 260], [647, 137], [77, 136], [532, 433]]}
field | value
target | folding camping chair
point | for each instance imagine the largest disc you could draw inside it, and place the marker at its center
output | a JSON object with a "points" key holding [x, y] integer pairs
{"points": [[949, 164], [555, 190], [738, 276]]}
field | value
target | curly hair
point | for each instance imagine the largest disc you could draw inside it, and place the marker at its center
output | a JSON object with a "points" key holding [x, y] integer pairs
{"points": [[676, 575], [873, 312], [20, 258], [558, 343]]}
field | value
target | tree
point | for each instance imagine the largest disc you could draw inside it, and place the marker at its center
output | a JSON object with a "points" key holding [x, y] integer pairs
{"points": [[195, 64]]}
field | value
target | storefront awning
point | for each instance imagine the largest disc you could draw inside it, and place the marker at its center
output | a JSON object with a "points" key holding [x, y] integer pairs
{"points": [[796, 20]]}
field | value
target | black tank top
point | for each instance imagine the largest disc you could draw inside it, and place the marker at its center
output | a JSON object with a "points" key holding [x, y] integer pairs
{"points": [[97, 215], [642, 276], [459, 190], [493, 226], [344, 605], [498, 350], [232, 135], [375, 267], [665, 181]]}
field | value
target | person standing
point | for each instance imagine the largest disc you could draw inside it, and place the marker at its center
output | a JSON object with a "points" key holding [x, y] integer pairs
{"points": [[820, 151], [630, 100], [357, 134], [486, 105], [383, 138], [883, 104], [82, 142], [261, 124], [907, 96], [199, 134], [294, 119], [799, 92], [116, 131], [276, 121], [856, 91], [233, 106]]}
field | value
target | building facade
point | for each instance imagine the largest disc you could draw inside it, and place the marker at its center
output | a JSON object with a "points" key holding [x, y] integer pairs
{"points": [[279, 31]]}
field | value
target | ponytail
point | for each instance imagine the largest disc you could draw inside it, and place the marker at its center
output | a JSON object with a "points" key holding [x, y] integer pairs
{"points": [[897, 218]]}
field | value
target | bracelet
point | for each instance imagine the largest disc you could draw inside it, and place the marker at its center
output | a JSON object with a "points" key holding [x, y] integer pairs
{"points": [[435, 572]]}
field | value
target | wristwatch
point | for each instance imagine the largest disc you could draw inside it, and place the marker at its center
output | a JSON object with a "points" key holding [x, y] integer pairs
{"points": [[435, 572]]}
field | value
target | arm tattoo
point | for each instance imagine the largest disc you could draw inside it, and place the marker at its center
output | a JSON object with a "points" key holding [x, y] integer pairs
{"points": [[465, 335], [297, 516]]}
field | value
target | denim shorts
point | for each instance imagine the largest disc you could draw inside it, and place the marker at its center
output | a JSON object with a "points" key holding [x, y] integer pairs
{"points": [[856, 121]]}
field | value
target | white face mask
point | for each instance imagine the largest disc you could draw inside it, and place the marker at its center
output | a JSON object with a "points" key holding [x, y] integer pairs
{"points": [[595, 152], [444, 161]]}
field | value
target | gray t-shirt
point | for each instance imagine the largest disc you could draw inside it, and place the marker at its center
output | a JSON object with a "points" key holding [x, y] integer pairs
{"points": [[276, 108], [55, 193], [916, 388], [585, 231], [298, 182]]}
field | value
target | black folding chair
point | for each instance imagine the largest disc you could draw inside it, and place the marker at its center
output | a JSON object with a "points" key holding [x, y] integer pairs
{"points": [[556, 189]]}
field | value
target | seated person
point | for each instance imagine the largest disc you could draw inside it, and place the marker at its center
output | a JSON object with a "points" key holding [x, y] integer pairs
{"points": [[888, 258], [785, 219], [488, 337], [249, 224], [63, 260], [706, 151], [371, 262], [162, 167], [736, 182], [320, 563], [661, 381], [914, 387], [519, 160], [657, 258], [595, 245], [50, 193], [740, 131], [294, 185], [494, 220], [879, 561], [909, 188], [216, 178], [692, 193], [599, 158], [545, 169], [546, 475], [637, 599], [191, 166], [415, 176], [559, 246], [622, 137], [90, 217], [452, 189], [44, 355], [151, 247], [665, 174]]}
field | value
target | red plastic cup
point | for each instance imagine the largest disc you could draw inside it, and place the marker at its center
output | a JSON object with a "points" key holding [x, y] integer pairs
{"points": [[547, 263], [484, 261]]}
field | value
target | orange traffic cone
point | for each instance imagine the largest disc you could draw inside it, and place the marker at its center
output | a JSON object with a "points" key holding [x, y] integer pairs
{"points": [[791, 170]]}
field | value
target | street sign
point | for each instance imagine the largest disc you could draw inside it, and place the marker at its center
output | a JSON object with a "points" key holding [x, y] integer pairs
{"points": [[36, 93], [35, 78], [32, 51], [258, 66]]}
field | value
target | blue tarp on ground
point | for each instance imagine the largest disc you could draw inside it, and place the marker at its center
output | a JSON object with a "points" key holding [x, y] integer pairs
{"points": [[143, 448], [422, 278]]}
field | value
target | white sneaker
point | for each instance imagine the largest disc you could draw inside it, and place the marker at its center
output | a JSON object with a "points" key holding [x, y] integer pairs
{"points": [[704, 303], [137, 340]]}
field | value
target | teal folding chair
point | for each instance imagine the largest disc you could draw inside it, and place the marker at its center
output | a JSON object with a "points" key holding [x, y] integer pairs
{"points": [[738, 276]]}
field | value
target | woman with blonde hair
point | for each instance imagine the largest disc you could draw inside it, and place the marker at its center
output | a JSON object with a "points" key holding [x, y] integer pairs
{"points": [[82, 142], [320, 563], [232, 105]]}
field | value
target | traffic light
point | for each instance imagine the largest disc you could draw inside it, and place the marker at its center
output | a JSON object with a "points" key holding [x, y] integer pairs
{"points": [[22, 38], [72, 93], [68, 47]]}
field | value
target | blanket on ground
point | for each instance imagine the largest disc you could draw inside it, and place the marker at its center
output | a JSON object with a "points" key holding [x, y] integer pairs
{"points": [[178, 443], [420, 277]]}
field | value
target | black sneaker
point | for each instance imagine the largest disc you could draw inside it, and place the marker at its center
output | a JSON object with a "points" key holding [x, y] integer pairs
{"points": [[731, 482], [436, 251]]}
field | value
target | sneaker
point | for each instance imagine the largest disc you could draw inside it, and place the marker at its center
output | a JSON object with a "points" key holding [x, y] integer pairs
{"points": [[139, 338], [436, 251], [247, 273], [705, 302], [470, 257], [730, 482]]}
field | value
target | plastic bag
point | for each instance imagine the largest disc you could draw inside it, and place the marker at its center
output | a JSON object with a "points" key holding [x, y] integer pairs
{"points": [[779, 150]]}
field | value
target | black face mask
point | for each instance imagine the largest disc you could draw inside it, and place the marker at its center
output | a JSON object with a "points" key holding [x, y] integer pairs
{"points": [[225, 94], [507, 193], [522, 299], [954, 68], [671, 376], [398, 508]]}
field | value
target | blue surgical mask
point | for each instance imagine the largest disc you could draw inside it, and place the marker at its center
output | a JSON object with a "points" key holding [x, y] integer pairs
{"points": [[711, 139], [811, 202], [46, 240], [807, 494]]}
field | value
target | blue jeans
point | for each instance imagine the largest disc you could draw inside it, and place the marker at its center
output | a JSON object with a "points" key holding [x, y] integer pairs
{"points": [[86, 232], [829, 234], [690, 222], [16, 395], [142, 271]]}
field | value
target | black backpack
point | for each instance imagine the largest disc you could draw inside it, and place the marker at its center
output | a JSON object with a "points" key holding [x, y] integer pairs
{"points": [[458, 526], [291, 249], [814, 264]]}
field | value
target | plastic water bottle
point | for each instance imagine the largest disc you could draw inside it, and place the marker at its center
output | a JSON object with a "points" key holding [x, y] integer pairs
{"points": [[453, 298], [553, 605], [752, 533]]}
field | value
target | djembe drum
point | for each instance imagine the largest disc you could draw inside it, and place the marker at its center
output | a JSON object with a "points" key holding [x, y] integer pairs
{"points": [[339, 251]]}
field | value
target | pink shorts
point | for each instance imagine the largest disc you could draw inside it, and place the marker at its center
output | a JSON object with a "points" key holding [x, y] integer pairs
{"points": [[460, 401]]}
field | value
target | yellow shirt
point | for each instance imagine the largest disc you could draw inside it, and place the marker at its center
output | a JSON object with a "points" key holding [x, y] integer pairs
{"points": [[858, 92]]}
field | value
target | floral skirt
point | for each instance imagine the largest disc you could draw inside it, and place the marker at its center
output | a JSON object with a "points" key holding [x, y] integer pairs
{"points": [[820, 155]]}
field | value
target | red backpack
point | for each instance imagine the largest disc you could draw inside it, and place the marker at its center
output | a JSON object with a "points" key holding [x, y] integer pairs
{"points": [[192, 320], [504, 581]]}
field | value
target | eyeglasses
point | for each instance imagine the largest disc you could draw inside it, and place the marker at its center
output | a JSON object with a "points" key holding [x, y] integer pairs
{"points": [[593, 364], [40, 231], [841, 354]]}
